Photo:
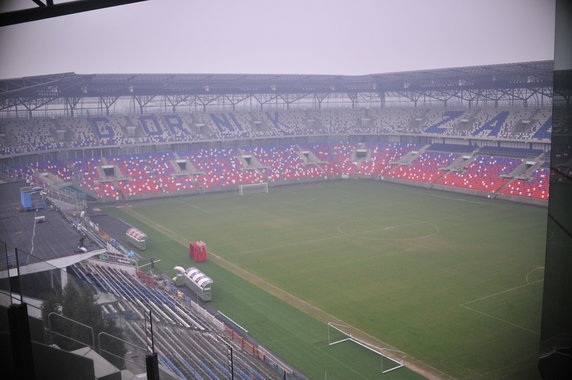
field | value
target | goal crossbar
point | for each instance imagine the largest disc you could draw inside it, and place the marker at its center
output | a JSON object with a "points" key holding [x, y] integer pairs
{"points": [[349, 337], [257, 187]]}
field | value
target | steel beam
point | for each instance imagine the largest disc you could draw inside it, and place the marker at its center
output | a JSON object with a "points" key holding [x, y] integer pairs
{"points": [[50, 10]]}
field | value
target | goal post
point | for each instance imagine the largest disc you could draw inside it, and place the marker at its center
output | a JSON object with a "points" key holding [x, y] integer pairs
{"points": [[339, 333], [253, 188]]}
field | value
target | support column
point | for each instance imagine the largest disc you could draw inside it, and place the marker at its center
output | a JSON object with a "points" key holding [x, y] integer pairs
{"points": [[63, 278], [152, 365], [21, 342]]}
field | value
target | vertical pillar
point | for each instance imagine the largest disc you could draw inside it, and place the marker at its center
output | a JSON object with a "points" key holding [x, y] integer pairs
{"points": [[556, 327], [21, 342], [152, 365], [63, 278]]}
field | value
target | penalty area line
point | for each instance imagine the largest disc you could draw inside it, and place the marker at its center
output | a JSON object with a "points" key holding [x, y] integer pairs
{"points": [[464, 306], [499, 293], [500, 319]]}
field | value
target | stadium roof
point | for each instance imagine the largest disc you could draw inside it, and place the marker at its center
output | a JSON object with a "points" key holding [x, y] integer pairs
{"points": [[70, 85]]}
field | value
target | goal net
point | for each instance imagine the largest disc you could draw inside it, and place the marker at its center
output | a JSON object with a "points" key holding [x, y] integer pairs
{"points": [[390, 359], [253, 188]]}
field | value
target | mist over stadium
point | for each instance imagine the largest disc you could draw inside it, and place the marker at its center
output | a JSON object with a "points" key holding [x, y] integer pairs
{"points": [[271, 191]]}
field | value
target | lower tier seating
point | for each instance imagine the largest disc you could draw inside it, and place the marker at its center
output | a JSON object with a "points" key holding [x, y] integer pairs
{"points": [[158, 173]]}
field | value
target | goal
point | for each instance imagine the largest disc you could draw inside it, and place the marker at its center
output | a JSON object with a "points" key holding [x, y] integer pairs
{"points": [[253, 188], [390, 359]]}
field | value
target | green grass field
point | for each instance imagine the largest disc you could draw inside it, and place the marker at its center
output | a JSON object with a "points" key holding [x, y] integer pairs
{"points": [[453, 281]]}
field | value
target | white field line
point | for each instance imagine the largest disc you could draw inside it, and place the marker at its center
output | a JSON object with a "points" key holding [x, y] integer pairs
{"points": [[456, 199], [356, 235], [197, 207], [531, 272], [301, 242], [416, 365], [499, 293], [327, 353], [453, 199], [464, 305], [302, 201], [413, 222], [500, 320]]}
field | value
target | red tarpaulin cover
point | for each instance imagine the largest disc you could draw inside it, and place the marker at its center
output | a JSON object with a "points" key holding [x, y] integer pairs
{"points": [[198, 251]]}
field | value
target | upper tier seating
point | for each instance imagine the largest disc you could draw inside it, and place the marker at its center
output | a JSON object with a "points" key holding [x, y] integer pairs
{"points": [[544, 131], [41, 134], [28, 135]]}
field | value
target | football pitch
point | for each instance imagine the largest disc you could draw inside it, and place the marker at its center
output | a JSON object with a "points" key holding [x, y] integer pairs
{"points": [[452, 281]]}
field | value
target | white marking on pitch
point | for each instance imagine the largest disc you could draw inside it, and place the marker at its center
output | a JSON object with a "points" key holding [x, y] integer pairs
{"points": [[464, 305], [500, 319], [389, 228], [257, 280], [455, 199], [198, 208], [532, 271], [501, 292]]}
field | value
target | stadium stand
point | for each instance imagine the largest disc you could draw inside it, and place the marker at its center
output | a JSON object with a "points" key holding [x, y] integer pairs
{"points": [[189, 344], [544, 131], [28, 135], [510, 152], [452, 148], [342, 157], [323, 153], [144, 174], [46, 134], [141, 171], [482, 174], [381, 157], [440, 122], [80, 132], [285, 123], [219, 168], [90, 178], [490, 151], [334, 121], [283, 162], [425, 168], [535, 187], [395, 119]]}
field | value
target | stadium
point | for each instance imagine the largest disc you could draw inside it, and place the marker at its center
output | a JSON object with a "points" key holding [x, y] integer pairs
{"points": [[278, 226], [461, 137]]}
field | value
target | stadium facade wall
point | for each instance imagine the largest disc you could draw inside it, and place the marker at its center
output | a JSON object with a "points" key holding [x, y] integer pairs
{"points": [[424, 185], [461, 190], [530, 201]]}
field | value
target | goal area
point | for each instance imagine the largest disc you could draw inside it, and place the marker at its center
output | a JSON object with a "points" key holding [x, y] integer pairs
{"points": [[253, 188], [338, 333]]}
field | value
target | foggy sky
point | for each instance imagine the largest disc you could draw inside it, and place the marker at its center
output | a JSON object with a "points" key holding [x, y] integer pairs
{"points": [[350, 37]]}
